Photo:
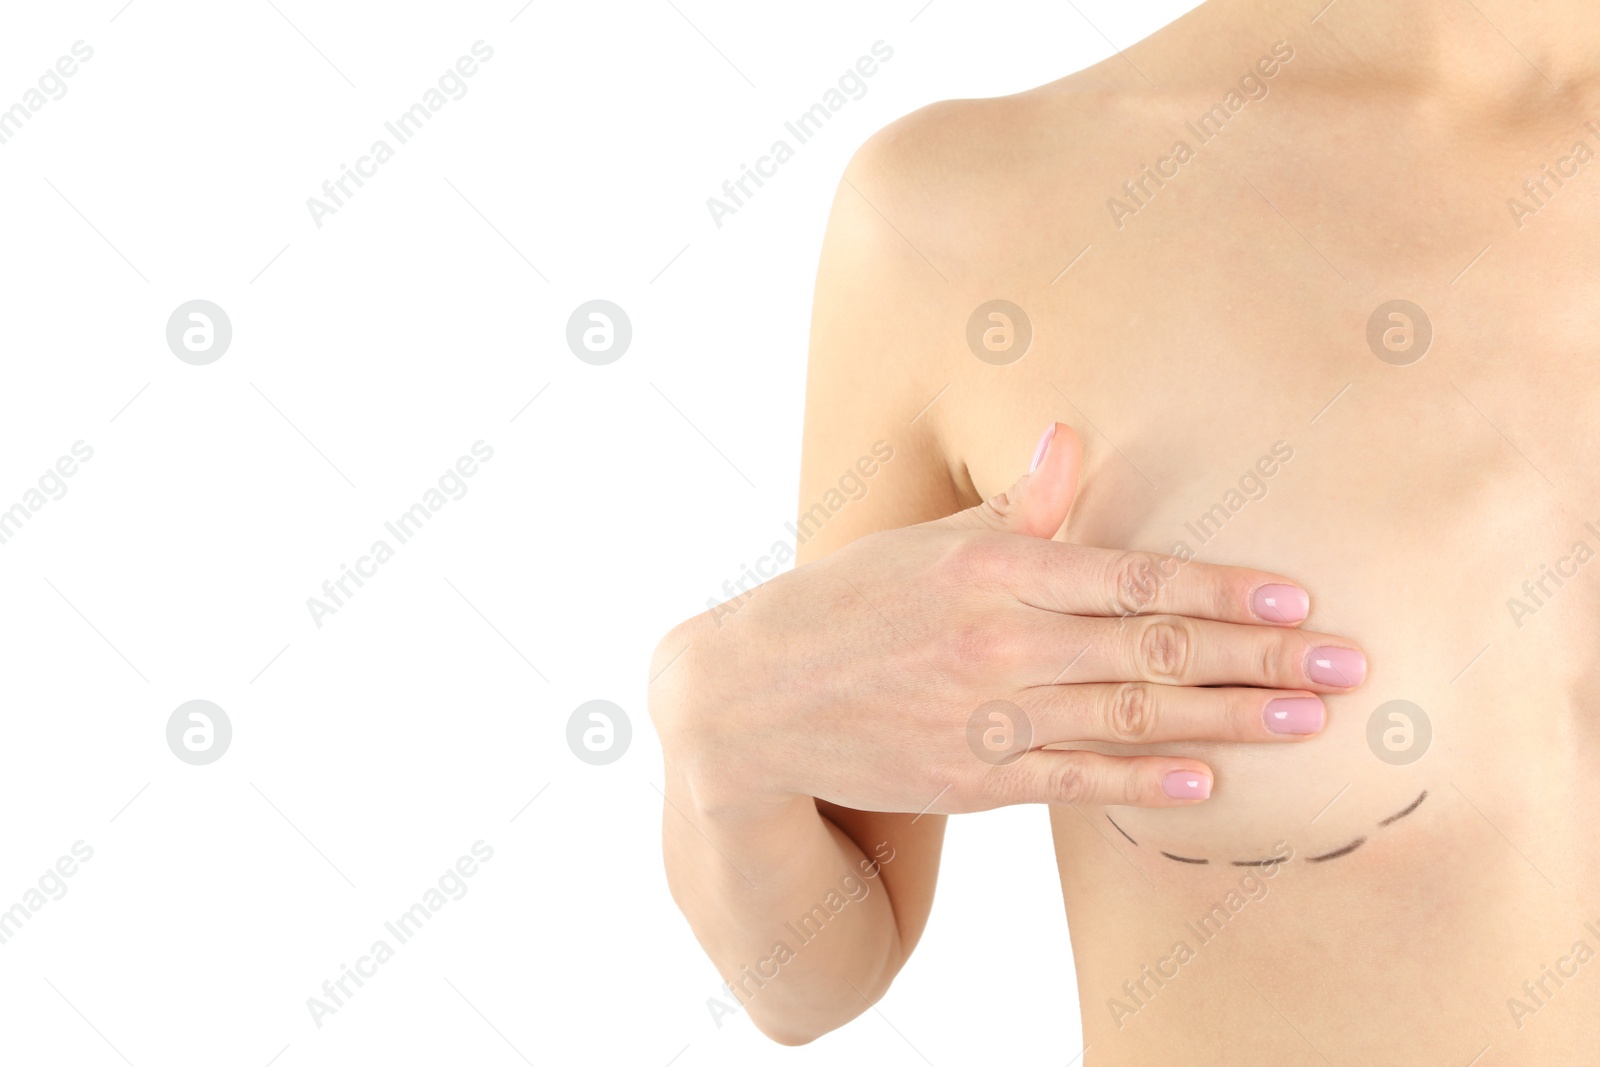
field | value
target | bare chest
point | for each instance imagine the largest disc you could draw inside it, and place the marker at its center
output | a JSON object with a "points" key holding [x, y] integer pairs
{"points": [[1413, 444]]}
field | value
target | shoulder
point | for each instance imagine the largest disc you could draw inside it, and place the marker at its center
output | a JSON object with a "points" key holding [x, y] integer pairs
{"points": [[935, 214], [956, 204], [974, 184]]}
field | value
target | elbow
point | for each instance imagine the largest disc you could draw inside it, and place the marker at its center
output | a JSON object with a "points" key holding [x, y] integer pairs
{"points": [[669, 691], [788, 1038], [791, 1032], [793, 1024]]}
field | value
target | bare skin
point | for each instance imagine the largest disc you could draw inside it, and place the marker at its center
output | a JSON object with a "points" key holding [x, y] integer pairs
{"points": [[1209, 328]]}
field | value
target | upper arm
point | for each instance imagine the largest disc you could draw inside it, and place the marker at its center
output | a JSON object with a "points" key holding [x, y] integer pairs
{"points": [[872, 458], [880, 343]]}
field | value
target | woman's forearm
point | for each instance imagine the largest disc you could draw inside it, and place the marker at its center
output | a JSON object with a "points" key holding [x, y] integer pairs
{"points": [[816, 737], [790, 909]]}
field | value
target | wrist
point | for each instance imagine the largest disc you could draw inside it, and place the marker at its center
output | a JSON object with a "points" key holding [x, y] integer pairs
{"points": [[714, 762]]}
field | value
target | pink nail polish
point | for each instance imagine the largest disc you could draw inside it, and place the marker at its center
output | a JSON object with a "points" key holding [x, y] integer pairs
{"points": [[1186, 785], [1294, 715], [1281, 603], [1336, 666], [1043, 447]]}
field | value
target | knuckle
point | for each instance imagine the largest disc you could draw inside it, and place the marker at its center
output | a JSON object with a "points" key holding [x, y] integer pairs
{"points": [[1004, 651], [1131, 715], [1135, 582], [1069, 783], [967, 644], [1241, 715], [1165, 647], [1274, 654], [1232, 596], [1000, 507], [978, 786]]}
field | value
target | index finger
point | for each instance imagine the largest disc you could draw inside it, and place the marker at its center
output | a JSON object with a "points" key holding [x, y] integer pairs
{"points": [[1079, 580]]}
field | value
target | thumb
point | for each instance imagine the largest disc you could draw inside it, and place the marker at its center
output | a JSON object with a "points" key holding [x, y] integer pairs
{"points": [[1036, 505]]}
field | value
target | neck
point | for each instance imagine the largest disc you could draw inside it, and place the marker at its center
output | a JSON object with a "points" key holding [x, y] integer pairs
{"points": [[1517, 52]]}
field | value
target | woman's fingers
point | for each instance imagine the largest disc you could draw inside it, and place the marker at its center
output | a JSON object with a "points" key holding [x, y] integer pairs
{"points": [[1036, 505], [1137, 713], [1098, 581], [1095, 779], [1177, 650]]}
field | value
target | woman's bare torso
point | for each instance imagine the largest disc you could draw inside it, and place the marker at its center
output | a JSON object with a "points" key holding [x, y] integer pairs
{"points": [[1211, 348]]}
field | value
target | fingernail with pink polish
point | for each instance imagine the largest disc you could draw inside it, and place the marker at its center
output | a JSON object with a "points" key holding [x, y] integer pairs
{"points": [[1294, 715], [1281, 603], [1186, 785], [1043, 447], [1336, 666]]}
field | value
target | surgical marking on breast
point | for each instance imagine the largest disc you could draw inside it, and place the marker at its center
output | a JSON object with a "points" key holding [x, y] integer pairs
{"points": [[1120, 830], [1336, 853], [1402, 814], [1274, 861]]}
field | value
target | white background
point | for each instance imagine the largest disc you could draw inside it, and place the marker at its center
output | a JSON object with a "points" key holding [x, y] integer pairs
{"points": [[367, 355]]}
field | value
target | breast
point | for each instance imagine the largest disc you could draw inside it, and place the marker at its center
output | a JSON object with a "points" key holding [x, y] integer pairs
{"points": [[1438, 509], [1421, 531], [1432, 507]]}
